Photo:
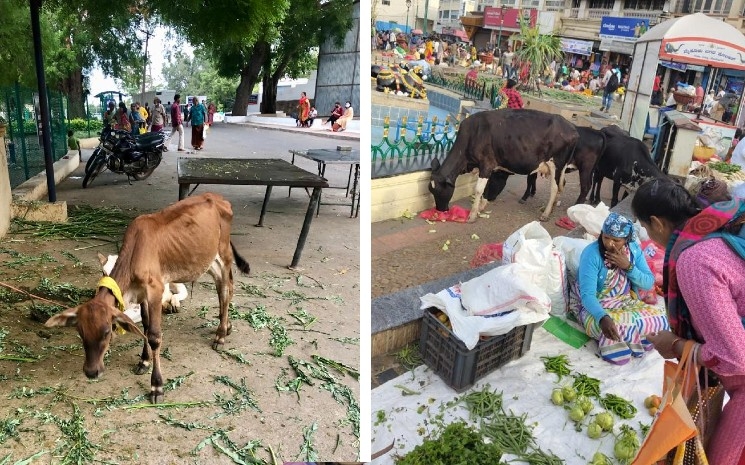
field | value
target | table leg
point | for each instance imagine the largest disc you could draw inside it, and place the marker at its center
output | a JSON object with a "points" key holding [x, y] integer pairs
{"points": [[183, 191], [315, 198], [321, 173], [354, 191], [263, 206], [349, 178]]}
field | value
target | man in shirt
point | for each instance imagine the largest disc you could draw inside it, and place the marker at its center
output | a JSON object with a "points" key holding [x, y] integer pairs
{"points": [[177, 122], [159, 115], [607, 91]]}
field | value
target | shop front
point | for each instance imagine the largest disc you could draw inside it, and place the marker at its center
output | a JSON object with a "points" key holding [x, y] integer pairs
{"points": [[578, 53], [502, 23]]}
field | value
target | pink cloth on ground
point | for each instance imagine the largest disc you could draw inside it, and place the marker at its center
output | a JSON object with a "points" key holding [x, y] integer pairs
{"points": [[712, 281], [456, 214]]}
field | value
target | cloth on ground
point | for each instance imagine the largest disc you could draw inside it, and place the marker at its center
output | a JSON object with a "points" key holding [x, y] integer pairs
{"points": [[456, 214]]}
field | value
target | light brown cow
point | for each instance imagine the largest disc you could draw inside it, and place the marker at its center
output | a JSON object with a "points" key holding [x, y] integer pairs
{"points": [[177, 244]]}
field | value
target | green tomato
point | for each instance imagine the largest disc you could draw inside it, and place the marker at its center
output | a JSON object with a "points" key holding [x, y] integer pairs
{"points": [[569, 393], [605, 420], [557, 397], [623, 450], [585, 403], [576, 414], [600, 459], [594, 431]]}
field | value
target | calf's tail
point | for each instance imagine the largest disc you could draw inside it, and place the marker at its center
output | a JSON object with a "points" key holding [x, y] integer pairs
{"points": [[240, 262]]}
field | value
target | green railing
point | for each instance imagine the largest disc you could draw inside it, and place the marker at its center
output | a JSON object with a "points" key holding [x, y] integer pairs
{"points": [[437, 141], [469, 90], [25, 153]]}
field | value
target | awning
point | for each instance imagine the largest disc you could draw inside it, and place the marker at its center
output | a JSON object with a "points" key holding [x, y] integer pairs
{"points": [[617, 46], [578, 47]]}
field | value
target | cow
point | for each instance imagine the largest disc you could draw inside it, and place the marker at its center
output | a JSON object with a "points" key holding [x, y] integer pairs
{"points": [[626, 161], [177, 244], [173, 293], [514, 141], [590, 147]]}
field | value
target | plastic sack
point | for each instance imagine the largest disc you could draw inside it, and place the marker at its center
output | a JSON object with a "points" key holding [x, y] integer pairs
{"points": [[469, 328], [589, 217], [456, 214], [533, 247], [503, 289], [572, 249], [655, 256], [205, 131]]}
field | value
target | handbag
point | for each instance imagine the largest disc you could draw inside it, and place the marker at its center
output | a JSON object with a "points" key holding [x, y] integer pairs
{"points": [[674, 423], [205, 131]]}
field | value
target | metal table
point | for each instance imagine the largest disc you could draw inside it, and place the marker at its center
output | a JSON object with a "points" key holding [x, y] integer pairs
{"points": [[267, 172], [325, 157]]}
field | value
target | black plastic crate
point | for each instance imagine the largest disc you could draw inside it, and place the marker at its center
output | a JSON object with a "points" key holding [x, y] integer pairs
{"points": [[459, 367]]}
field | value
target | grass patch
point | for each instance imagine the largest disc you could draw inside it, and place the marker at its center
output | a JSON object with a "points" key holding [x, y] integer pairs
{"points": [[84, 222], [241, 399]]}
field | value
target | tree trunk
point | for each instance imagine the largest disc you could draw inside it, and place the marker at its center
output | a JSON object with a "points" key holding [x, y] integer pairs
{"points": [[72, 86], [269, 95], [249, 76]]}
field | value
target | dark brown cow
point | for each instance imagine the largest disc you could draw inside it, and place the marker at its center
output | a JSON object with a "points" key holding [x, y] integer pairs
{"points": [[177, 244], [514, 141]]}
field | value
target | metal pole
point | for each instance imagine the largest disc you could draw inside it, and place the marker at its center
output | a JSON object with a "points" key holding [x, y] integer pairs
{"points": [[43, 102], [144, 70], [407, 19], [426, 8]]}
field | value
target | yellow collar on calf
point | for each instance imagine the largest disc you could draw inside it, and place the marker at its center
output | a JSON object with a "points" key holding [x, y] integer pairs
{"points": [[109, 283]]}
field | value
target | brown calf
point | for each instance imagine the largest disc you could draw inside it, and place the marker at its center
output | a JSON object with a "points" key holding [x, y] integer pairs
{"points": [[177, 244]]}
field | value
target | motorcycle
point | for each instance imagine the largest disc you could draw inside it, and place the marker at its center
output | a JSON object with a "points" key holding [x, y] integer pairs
{"points": [[137, 156]]}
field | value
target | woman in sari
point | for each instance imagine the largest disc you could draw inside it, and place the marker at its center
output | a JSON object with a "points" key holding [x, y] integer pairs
{"points": [[303, 109], [704, 289], [611, 273], [122, 118]]}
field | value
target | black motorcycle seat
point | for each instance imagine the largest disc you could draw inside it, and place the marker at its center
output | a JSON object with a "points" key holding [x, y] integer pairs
{"points": [[148, 144], [148, 136]]}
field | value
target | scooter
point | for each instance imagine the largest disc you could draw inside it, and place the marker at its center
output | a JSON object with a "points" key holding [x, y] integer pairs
{"points": [[124, 153]]}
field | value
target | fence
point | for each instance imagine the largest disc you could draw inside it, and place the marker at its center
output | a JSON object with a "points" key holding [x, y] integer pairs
{"points": [[20, 107], [469, 90], [430, 138]]}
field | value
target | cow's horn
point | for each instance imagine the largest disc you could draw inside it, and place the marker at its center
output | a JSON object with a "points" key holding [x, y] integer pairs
{"points": [[432, 183]]}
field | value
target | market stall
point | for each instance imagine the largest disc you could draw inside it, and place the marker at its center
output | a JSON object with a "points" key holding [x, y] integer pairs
{"points": [[696, 40]]}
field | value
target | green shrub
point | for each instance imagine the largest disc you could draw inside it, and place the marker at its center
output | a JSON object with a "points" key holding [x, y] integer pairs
{"points": [[80, 125]]}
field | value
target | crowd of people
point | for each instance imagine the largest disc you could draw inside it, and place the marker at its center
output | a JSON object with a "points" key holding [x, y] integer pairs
{"points": [[338, 117], [140, 119]]}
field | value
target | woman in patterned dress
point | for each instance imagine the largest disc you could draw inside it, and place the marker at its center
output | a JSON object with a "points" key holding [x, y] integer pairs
{"points": [[611, 273]]}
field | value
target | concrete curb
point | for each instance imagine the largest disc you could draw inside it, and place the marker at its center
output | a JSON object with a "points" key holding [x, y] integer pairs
{"points": [[28, 197], [326, 134]]}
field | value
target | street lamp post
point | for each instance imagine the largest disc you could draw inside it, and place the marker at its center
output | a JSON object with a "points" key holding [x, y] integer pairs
{"points": [[501, 22], [408, 5]]}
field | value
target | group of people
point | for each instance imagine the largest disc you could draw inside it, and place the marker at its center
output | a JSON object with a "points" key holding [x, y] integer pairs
{"points": [[139, 119], [338, 118], [704, 279], [721, 105]]}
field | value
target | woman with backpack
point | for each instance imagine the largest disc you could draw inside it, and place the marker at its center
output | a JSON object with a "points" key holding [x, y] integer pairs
{"points": [[611, 81]]}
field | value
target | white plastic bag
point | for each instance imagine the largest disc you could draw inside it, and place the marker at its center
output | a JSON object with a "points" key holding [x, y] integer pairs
{"points": [[205, 131], [572, 248], [502, 289], [544, 265], [589, 217], [468, 328]]}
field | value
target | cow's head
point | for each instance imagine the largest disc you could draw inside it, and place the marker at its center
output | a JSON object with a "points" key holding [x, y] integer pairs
{"points": [[95, 321], [441, 187], [641, 174]]}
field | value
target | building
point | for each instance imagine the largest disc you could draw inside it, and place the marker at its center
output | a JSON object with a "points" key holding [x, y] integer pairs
{"points": [[405, 15], [449, 13], [597, 32]]}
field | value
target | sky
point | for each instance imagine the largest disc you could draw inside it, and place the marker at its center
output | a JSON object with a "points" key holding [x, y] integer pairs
{"points": [[157, 47]]}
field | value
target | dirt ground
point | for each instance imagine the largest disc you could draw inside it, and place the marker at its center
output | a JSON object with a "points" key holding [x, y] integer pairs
{"points": [[219, 407], [401, 246]]}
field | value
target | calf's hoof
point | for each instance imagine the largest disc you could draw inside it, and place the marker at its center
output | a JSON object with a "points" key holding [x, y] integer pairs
{"points": [[142, 368], [471, 219], [218, 344], [521, 201], [156, 396], [543, 218]]}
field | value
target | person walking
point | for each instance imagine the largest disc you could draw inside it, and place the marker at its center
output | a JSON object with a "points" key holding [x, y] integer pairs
{"points": [[211, 110], [303, 107], [176, 121], [158, 115], [197, 116], [611, 81], [507, 57]]}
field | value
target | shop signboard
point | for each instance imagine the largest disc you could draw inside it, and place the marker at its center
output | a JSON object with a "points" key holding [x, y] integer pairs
{"points": [[578, 47], [508, 18], [703, 51], [682, 67], [617, 28]]}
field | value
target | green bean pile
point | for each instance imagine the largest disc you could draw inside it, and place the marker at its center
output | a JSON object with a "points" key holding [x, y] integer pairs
{"points": [[618, 405], [558, 364], [510, 433], [483, 404], [586, 386]]}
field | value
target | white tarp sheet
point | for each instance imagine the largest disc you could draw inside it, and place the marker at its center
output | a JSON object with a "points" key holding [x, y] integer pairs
{"points": [[527, 389]]}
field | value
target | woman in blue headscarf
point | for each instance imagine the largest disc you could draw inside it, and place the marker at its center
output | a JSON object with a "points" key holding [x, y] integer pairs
{"points": [[611, 273]]}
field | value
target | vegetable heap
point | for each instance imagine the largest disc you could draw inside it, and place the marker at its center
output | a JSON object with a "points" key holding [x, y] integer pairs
{"points": [[458, 444], [724, 167]]}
